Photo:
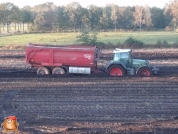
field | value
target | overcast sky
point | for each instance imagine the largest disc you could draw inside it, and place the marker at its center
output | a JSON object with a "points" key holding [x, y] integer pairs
{"points": [[85, 3]]}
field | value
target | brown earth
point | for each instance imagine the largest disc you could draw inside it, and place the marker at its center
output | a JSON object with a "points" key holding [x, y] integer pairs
{"points": [[93, 104]]}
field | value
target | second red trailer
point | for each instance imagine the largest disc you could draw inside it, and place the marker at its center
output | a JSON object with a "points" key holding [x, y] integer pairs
{"points": [[60, 60]]}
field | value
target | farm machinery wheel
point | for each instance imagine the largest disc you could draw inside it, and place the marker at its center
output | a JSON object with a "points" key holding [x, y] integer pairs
{"points": [[145, 72], [43, 71], [58, 71], [116, 70]]}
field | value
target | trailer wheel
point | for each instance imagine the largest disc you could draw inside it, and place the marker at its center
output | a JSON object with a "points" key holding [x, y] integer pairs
{"points": [[116, 70], [58, 71], [43, 71], [144, 72]]}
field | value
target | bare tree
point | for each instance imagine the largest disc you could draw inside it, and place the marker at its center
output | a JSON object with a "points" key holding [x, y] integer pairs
{"points": [[115, 15], [138, 16], [174, 12], [147, 17]]}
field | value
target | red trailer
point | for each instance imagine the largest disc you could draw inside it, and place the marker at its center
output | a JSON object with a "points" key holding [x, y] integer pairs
{"points": [[62, 59]]}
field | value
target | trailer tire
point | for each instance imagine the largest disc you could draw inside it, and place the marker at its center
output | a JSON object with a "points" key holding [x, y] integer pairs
{"points": [[145, 72], [43, 71], [116, 70], [58, 71]]}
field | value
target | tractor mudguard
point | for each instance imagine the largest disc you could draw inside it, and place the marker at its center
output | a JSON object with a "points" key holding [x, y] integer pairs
{"points": [[115, 63], [140, 68], [153, 68]]}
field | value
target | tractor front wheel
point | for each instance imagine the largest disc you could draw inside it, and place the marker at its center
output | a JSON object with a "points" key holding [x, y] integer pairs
{"points": [[144, 72], [116, 70]]}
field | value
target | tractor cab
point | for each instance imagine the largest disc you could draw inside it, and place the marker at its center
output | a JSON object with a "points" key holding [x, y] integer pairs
{"points": [[124, 56]]}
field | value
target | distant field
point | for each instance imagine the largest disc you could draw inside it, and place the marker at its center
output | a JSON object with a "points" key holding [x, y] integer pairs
{"points": [[146, 37], [106, 37], [44, 38]]}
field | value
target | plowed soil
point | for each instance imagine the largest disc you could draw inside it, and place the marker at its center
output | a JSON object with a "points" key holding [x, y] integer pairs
{"points": [[91, 104]]}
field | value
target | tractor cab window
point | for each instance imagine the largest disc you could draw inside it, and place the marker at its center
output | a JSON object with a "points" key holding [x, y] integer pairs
{"points": [[121, 56], [116, 56], [124, 56]]}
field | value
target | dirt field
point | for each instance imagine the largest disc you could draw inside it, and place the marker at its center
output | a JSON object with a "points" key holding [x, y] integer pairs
{"points": [[93, 104]]}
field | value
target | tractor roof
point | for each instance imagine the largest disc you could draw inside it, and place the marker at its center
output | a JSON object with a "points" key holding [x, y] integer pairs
{"points": [[117, 50]]}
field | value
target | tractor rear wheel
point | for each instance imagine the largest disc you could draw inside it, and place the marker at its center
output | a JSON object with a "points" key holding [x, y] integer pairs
{"points": [[116, 70], [145, 72], [43, 71], [58, 71]]}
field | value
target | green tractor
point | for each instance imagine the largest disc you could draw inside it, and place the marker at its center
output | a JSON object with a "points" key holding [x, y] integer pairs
{"points": [[123, 64]]}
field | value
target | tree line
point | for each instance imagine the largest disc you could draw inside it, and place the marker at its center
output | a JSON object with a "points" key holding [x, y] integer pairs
{"points": [[48, 17]]}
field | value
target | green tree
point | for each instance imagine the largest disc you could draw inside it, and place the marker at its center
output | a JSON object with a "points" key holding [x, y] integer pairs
{"points": [[74, 11], [104, 20], [88, 37], [126, 17], [47, 12], [93, 17], [6, 12], [1, 17], [25, 17], [15, 15], [62, 18], [158, 17], [45, 7], [39, 23]]}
